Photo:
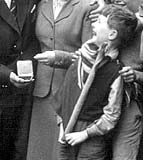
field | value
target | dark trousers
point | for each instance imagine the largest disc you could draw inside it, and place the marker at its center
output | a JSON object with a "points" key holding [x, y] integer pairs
{"points": [[126, 140], [92, 149], [15, 113]]}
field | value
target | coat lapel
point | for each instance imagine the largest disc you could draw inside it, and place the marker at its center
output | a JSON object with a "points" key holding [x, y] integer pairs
{"points": [[47, 10], [22, 9], [7, 16], [67, 10]]}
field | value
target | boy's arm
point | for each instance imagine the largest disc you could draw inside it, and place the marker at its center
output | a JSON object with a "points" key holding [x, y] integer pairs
{"points": [[107, 121], [111, 112]]}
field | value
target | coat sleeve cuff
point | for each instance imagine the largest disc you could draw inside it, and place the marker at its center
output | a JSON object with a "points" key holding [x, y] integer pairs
{"points": [[94, 131], [4, 73], [63, 58]]}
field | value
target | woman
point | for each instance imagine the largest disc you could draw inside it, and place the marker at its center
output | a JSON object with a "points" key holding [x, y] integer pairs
{"points": [[62, 26]]}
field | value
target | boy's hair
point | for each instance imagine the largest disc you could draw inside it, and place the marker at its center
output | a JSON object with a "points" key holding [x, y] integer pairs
{"points": [[118, 2], [108, 1], [122, 20]]}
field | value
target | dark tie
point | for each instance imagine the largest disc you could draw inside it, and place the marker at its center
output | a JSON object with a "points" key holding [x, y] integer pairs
{"points": [[13, 8]]}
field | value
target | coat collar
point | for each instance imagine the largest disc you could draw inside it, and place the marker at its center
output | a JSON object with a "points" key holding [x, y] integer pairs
{"points": [[47, 10], [67, 10], [22, 6], [22, 9], [7, 16]]}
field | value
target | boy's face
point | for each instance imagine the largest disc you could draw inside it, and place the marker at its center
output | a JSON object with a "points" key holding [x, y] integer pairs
{"points": [[100, 30]]}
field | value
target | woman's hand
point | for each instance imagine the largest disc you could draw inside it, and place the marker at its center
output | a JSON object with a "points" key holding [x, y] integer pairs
{"points": [[128, 74], [76, 55], [95, 13], [76, 137], [47, 57]]}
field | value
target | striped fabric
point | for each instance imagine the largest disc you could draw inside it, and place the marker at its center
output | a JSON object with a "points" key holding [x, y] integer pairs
{"points": [[88, 54], [13, 8], [86, 61]]}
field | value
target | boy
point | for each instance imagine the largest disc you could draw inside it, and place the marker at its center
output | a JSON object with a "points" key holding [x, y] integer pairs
{"points": [[128, 132], [102, 106]]}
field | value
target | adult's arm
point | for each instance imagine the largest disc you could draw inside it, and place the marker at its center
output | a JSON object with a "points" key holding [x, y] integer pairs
{"points": [[63, 59], [31, 47]]}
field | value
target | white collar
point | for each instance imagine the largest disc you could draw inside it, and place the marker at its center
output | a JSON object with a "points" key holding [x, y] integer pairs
{"points": [[112, 53], [8, 2]]}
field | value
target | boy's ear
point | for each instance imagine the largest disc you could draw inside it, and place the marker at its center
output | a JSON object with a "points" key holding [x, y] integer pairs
{"points": [[113, 34]]}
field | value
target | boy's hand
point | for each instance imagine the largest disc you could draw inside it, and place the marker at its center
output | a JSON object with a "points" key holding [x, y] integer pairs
{"points": [[76, 55], [128, 74], [76, 137]]}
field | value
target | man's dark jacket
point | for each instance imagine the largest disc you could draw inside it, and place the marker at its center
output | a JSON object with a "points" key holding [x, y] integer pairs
{"points": [[17, 42]]}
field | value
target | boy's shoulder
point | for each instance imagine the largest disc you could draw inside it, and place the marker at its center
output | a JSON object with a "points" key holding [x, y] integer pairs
{"points": [[110, 67]]}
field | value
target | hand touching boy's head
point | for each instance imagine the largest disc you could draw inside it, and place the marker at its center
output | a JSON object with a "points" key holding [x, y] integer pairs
{"points": [[116, 25]]}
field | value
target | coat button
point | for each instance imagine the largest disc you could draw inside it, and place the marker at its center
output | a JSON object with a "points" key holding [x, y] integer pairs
{"points": [[4, 86], [15, 46], [51, 38], [21, 52]]}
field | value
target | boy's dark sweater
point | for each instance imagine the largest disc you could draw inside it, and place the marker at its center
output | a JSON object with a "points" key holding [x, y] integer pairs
{"points": [[97, 96]]}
